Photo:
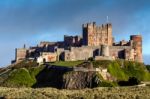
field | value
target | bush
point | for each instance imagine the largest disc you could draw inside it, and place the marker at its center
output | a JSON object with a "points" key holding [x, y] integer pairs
{"points": [[91, 59], [131, 81], [148, 67]]}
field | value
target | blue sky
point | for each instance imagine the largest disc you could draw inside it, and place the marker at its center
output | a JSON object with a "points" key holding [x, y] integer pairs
{"points": [[31, 21]]}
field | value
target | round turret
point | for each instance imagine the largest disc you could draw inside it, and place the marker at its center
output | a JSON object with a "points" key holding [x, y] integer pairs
{"points": [[105, 50], [137, 46]]}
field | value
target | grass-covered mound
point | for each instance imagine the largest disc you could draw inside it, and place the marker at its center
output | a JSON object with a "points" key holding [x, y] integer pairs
{"points": [[135, 69], [29, 74], [122, 70], [115, 70], [22, 77], [34, 71]]}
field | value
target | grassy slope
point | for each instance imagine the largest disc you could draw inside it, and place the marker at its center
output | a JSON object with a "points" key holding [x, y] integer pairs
{"points": [[26, 76], [122, 70], [22, 77], [115, 70], [35, 71]]}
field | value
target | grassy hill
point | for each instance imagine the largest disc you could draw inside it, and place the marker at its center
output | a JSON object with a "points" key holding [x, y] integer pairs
{"points": [[25, 74], [122, 69], [20, 75]]}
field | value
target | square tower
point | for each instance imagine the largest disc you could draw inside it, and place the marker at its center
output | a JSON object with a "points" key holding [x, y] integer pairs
{"points": [[97, 35]]}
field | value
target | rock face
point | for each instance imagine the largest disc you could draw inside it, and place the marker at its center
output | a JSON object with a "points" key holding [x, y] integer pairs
{"points": [[51, 76], [77, 80], [66, 78]]}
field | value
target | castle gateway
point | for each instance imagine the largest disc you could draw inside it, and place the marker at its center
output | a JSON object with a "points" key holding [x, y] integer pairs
{"points": [[96, 42]]}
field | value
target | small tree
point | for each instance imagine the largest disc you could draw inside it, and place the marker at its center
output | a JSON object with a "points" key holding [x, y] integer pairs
{"points": [[91, 59], [133, 81]]}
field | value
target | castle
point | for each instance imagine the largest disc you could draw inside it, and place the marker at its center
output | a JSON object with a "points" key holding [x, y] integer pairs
{"points": [[96, 42]]}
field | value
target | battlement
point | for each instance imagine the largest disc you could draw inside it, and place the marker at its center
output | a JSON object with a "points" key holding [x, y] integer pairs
{"points": [[93, 24]]}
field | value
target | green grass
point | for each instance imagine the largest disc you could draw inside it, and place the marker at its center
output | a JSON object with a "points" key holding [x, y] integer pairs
{"points": [[19, 77], [122, 70], [35, 71], [22, 77], [129, 69], [115, 70], [138, 70], [67, 63]]}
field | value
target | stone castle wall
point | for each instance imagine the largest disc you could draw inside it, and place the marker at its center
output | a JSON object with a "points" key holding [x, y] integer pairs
{"points": [[81, 53], [104, 52]]}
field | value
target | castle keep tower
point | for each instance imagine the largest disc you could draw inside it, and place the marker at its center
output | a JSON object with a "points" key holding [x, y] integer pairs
{"points": [[137, 46], [97, 35]]}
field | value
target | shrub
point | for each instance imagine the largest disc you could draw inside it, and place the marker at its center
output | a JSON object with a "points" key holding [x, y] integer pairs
{"points": [[91, 59], [148, 67], [131, 81]]}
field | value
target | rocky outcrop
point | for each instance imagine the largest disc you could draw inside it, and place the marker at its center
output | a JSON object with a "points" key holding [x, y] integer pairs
{"points": [[51, 76], [78, 80], [81, 77]]}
